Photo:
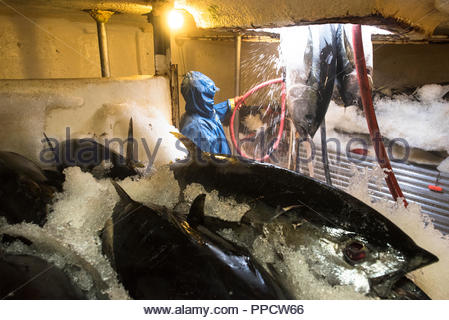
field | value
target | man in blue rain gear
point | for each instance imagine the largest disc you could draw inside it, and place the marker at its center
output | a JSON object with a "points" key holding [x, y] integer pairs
{"points": [[202, 121]]}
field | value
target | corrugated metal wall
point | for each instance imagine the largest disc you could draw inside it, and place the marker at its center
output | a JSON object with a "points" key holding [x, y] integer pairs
{"points": [[413, 180]]}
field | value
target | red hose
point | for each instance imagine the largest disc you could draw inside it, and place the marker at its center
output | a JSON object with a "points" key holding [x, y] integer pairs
{"points": [[281, 127], [376, 137]]}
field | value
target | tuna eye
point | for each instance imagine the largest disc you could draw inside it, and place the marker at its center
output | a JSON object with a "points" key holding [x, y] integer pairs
{"points": [[355, 252]]}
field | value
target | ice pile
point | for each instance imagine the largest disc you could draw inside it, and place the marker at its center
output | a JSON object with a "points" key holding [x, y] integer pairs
{"points": [[73, 226], [424, 124], [159, 188], [444, 166], [225, 208]]}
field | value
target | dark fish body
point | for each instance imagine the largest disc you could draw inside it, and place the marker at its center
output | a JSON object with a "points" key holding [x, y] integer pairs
{"points": [[28, 271], [88, 155], [26, 277], [91, 156], [160, 256], [25, 191], [323, 207], [346, 77]]}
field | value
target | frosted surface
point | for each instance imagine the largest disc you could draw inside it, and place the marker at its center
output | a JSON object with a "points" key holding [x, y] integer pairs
{"points": [[91, 108], [424, 124]]}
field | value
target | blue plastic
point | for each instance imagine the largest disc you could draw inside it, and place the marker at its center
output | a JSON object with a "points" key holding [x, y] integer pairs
{"points": [[202, 123]]}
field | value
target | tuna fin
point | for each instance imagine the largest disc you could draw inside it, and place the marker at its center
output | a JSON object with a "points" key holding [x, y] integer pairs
{"points": [[122, 193], [196, 213], [130, 144], [189, 144], [382, 285], [280, 211]]}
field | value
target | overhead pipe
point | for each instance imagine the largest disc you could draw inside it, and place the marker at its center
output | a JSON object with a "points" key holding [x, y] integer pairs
{"points": [[371, 119], [102, 17]]}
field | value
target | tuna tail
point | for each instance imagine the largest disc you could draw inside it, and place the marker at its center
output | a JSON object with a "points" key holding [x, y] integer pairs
{"points": [[196, 213]]}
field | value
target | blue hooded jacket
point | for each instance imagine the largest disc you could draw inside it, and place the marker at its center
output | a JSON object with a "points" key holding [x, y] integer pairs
{"points": [[202, 123]]}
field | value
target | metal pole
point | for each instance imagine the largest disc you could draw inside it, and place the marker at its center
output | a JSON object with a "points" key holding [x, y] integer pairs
{"points": [[103, 46], [238, 50], [102, 17], [161, 40], [324, 155], [174, 86]]}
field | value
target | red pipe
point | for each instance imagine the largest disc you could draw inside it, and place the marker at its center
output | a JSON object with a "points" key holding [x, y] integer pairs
{"points": [[281, 127], [376, 137]]}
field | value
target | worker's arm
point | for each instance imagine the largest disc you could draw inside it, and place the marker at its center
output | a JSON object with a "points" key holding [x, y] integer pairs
{"points": [[223, 108]]}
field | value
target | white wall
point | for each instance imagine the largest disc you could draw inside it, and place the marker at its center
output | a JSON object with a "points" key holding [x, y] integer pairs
{"points": [[40, 44]]}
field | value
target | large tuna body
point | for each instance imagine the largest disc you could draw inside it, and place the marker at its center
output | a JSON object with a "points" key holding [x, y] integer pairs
{"points": [[25, 191], [159, 255], [359, 237], [25, 277]]}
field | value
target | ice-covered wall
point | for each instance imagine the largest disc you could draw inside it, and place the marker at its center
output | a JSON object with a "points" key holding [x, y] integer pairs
{"points": [[420, 14], [98, 108], [38, 43]]}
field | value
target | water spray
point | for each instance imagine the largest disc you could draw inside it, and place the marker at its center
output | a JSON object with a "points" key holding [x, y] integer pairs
{"points": [[281, 127]]}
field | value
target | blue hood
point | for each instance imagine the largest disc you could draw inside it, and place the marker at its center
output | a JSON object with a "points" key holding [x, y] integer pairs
{"points": [[198, 91]]}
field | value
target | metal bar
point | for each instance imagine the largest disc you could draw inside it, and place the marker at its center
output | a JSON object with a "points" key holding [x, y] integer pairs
{"points": [[238, 50], [174, 86], [103, 46], [324, 157], [101, 17], [161, 41], [229, 38]]}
